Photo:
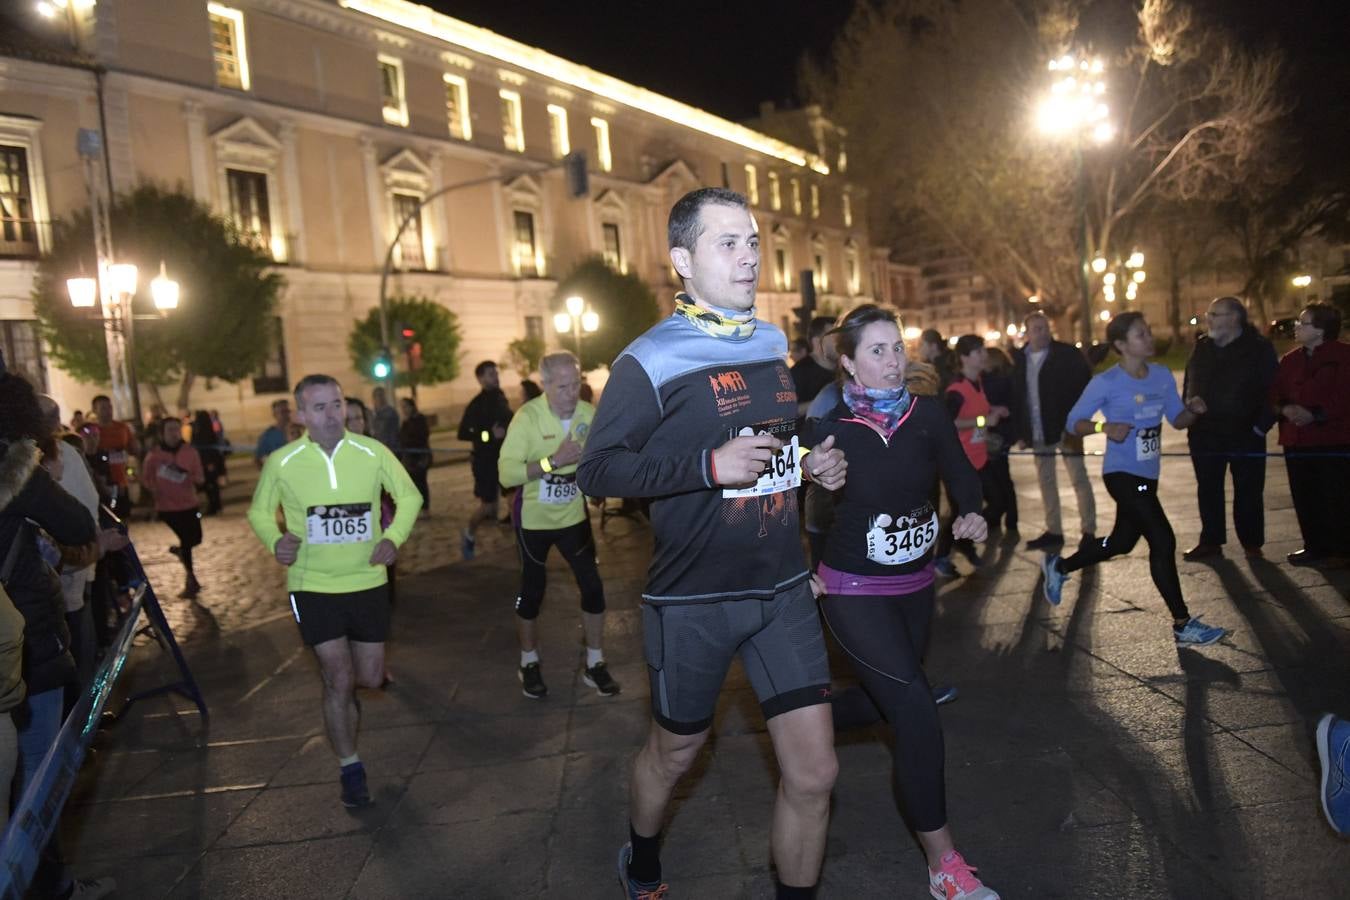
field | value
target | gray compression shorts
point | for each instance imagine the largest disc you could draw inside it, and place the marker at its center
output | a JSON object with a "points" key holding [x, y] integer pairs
{"points": [[690, 647]]}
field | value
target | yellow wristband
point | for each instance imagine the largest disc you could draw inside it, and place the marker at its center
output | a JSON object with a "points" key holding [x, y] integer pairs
{"points": [[1099, 427], [979, 421], [546, 465]]}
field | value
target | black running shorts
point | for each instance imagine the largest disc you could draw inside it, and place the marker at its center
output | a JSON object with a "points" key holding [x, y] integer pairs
{"points": [[690, 647], [485, 486], [360, 616]]}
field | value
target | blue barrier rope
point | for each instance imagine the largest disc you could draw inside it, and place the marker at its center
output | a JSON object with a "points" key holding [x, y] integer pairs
{"points": [[39, 810]]}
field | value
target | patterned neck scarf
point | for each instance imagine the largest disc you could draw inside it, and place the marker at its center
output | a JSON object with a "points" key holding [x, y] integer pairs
{"points": [[880, 407], [724, 324]]}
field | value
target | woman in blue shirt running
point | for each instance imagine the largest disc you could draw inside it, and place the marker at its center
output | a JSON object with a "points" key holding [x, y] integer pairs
{"points": [[1133, 397]]}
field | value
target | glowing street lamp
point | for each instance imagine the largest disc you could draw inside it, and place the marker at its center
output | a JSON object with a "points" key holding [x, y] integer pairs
{"points": [[164, 290], [576, 319], [83, 292], [1075, 107], [1301, 281]]}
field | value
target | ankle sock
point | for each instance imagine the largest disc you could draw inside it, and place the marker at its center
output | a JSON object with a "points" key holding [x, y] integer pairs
{"points": [[791, 892], [645, 863], [353, 760], [594, 656], [528, 656]]}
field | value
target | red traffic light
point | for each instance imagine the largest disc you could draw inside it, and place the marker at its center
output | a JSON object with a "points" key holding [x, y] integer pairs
{"points": [[409, 333]]}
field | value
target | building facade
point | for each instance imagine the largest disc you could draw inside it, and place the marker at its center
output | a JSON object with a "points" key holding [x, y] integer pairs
{"points": [[317, 126]]}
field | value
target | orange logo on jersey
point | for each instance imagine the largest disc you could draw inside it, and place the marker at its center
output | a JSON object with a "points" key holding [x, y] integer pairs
{"points": [[730, 391]]}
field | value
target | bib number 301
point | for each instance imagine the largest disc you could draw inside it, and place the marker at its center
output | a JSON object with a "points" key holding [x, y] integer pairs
{"points": [[1148, 443], [342, 523]]}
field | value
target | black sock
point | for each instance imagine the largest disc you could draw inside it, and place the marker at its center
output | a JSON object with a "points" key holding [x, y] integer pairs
{"points": [[788, 892], [645, 863]]}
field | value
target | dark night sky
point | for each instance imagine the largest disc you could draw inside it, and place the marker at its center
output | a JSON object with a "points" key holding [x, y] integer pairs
{"points": [[726, 56]]}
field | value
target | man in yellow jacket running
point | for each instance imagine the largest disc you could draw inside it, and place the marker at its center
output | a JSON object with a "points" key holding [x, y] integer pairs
{"points": [[541, 450], [328, 486]]}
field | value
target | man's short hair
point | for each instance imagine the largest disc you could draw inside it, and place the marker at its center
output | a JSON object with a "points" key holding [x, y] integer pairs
{"points": [[97, 398], [819, 325], [686, 221], [967, 344], [555, 361], [932, 336], [1035, 314], [277, 404], [1326, 317], [310, 381], [482, 367], [1236, 305]]}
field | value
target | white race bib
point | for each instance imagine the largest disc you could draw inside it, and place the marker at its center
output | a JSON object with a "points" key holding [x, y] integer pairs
{"points": [[978, 435], [784, 471], [558, 490], [896, 542], [341, 523], [171, 473], [1147, 443]]}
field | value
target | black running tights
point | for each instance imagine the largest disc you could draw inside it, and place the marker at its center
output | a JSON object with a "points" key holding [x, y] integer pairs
{"points": [[884, 637], [1138, 514]]}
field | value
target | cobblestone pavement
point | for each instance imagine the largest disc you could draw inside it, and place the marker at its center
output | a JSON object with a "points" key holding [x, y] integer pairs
{"points": [[1086, 757]]}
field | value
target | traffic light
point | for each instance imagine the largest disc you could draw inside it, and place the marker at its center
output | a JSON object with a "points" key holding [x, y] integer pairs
{"points": [[382, 365], [578, 179]]}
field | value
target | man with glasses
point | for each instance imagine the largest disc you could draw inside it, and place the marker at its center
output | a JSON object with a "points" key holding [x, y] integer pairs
{"points": [[1232, 368]]}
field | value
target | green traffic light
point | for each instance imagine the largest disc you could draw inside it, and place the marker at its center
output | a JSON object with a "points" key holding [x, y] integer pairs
{"points": [[380, 369]]}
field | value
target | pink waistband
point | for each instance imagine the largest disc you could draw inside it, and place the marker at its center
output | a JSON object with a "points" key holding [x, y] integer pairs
{"points": [[846, 584]]}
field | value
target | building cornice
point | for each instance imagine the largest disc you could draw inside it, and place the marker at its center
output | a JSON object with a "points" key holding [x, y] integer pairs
{"points": [[438, 26]]}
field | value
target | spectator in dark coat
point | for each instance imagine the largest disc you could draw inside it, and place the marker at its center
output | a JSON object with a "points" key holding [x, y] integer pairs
{"points": [[414, 438], [208, 447], [1232, 368], [1049, 377], [998, 387], [1312, 396]]}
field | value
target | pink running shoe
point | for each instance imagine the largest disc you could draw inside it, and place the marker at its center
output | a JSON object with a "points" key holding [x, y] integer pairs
{"points": [[956, 881]]}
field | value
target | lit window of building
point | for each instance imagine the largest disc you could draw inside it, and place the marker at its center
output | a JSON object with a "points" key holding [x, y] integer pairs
{"points": [[815, 201], [796, 197], [513, 124], [775, 192], [228, 46], [818, 264], [393, 102], [410, 248], [457, 107], [603, 158], [525, 253], [249, 207], [557, 131], [848, 210], [613, 252], [842, 164], [18, 230], [751, 184], [852, 269]]}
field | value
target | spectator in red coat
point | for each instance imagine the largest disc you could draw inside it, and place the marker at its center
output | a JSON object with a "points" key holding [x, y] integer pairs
{"points": [[1312, 397]]}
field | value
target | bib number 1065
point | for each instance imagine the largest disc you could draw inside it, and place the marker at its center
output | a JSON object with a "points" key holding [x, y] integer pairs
{"points": [[348, 523]]}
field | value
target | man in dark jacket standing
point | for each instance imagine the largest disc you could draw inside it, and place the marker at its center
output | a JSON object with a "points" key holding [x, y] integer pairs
{"points": [[484, 425], [1232, 368], [1050, 376]]}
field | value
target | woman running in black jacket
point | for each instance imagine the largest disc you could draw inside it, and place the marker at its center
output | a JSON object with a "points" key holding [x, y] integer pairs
{"points": [[877, 573]]}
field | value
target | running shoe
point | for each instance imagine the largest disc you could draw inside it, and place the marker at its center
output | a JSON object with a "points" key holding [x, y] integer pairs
{"points": [[532, 681], [1196, 633], [956, 881], [598, 677], [943, 566], [1333, 750], [354, 790], [466, 545], [638, 890], [944, 693], [1047, 540], [1054, 579]]}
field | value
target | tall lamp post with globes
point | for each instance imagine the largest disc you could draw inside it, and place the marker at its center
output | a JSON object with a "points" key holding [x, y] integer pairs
{"points": [[576, 319], [120, 281], [1076, 109]]}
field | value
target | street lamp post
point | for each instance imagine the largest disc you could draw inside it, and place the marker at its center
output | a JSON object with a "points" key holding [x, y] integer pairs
{"points": [[1076, 108], [576, 319]]}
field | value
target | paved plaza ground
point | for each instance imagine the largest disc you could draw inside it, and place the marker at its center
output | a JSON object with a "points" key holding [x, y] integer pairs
{"points": [[1086, 757]]}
